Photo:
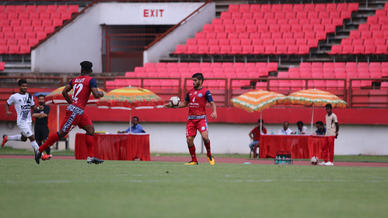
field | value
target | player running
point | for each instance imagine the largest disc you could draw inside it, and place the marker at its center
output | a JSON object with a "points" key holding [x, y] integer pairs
{"points": [[23, 102], [82, 87], [196, 100]]}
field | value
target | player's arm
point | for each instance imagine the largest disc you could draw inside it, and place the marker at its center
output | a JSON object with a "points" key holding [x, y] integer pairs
{"points": [[336, 129], [65, 93], [36, 115], [7, 111], [96, 93], [209, 98], [9, 102], [181, 104], [93, 87], [214, 107], [251, 134]]}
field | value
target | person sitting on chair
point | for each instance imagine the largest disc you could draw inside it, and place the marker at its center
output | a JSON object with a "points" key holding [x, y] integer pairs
{"points": [[285, 130], [302, 130], [135, 128], [255, 133], [321, 130]]}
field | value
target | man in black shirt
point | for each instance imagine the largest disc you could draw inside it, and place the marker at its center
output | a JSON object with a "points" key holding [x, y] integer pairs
{"points": [[41, 124]]}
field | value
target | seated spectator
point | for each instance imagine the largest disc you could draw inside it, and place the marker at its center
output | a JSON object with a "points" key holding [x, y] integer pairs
{"points": [[135, 128], [302, 130], [285, 130], [255, 133], [321, 130]]}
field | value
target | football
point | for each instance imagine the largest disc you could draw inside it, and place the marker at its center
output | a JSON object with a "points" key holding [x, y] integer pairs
{"points": [[314, 160], [175, 100]]}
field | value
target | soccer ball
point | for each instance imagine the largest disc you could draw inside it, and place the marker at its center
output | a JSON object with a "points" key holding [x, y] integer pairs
{"points": [[314, 160], [174, 101]]}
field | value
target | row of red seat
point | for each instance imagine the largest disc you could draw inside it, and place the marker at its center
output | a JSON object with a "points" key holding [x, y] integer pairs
{"points": [[315, 70], [288, 7], [272, 28], [185, 70], [22, 9], [303, 15], [2, 66], [31, 19], [369, 38], [23, 26]]}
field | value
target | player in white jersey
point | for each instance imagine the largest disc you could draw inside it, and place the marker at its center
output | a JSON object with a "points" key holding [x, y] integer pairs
{"points": [[23, 102]]}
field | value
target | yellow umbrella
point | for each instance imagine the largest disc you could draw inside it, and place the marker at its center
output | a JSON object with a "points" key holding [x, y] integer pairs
{"points": [[129, 98], [56, 97], [314, 98], [257, 100]]}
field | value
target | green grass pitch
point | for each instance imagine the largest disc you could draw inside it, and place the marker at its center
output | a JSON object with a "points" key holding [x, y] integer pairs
{"points": [[72, 188]]}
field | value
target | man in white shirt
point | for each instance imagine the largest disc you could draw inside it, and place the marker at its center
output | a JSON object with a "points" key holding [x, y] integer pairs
{"points": [[332, 128], [23, 102], [285, 130], [301, 130]]}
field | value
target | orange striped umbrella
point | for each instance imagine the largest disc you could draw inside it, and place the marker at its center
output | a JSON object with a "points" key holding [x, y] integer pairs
{"points": [[130, 98], [257, 100], [314, 97], [56, 97]]}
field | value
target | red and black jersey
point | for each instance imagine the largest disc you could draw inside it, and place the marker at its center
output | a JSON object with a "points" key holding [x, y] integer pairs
{"points": [[82, 87]]}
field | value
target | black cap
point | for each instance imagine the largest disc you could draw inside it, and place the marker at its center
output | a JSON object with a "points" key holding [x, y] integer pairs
{"points": [[86, 66]]}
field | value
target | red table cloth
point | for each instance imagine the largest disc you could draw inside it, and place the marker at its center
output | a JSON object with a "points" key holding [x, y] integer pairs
{"points": [[115, 146], [300, 146]]}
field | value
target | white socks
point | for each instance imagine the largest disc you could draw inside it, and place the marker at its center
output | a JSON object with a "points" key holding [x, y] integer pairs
{"points": [[14, 137], [34, 145]]}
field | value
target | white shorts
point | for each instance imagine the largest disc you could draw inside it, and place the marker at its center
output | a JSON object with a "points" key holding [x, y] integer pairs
{"points": [[25, 129]]}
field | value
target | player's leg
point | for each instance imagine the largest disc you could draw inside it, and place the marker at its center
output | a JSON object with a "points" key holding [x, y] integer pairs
{"points": [[7, 138], [26, 130], [41, 135], [34, 144], [70, 120], [18, 137], [38, 135], [202, 127], [45, 133], [191, 131], [206, 141], [86, 124], [191, 146]]}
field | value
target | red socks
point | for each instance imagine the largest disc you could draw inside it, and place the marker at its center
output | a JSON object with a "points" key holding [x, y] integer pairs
{"points": [[50, 141], [207, 146], [192, 153], [91, 144]]}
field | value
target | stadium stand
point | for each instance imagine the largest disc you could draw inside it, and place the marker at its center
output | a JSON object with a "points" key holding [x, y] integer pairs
{"points": [[268, 29], [23, 26], [338, 70], [369, 38]]}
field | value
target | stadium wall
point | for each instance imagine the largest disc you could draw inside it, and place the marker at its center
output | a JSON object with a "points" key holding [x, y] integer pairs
{"points": [[179, 35], [232, 138], [81, 39]]}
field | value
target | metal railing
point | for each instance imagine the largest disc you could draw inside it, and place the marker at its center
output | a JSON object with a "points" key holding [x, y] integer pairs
{"points": [[360, 92]]}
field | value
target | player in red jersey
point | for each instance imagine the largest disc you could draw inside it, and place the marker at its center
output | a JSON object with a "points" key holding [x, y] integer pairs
{"points": [[82, 87], [196, 100]]}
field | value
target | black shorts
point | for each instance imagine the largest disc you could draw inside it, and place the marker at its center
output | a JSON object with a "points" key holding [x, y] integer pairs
{"points": [[41, 133]]}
